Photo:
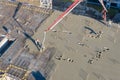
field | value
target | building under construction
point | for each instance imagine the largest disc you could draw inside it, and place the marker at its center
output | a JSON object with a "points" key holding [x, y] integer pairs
{"points": [[18, 21]]}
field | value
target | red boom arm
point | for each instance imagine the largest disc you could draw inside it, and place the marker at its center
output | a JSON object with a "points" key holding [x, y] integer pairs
{"points": [[76, 2]]}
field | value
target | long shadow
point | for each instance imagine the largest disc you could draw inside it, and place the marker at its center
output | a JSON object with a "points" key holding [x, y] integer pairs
{"points": [[38, 76], [29, 37], [17, 9], [90, 29], [102, 22], [5, 29]]}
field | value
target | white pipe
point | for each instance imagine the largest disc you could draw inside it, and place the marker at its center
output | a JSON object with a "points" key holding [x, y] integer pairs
{"points": [[44, 38]]}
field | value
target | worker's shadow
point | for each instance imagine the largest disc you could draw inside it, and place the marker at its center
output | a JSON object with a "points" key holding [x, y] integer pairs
{"points": [[90, 29], [29, 37], [102, 22]]}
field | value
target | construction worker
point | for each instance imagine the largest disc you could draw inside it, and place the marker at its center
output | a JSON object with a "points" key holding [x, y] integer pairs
{"points": [[90, 61]]}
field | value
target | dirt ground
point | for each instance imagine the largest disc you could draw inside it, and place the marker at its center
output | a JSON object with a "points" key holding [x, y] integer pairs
{"points": [[79, 54]]}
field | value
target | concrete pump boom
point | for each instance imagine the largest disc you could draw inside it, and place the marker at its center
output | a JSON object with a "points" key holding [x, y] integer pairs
{"points": [[65, 13], [60, 17], [70, 8]]}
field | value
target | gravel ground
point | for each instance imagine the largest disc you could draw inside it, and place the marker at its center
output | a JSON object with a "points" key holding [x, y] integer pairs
{"points": [[79, 54]]}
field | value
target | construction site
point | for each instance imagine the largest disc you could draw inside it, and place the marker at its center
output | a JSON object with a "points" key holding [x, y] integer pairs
{"points": [[39, 41]]}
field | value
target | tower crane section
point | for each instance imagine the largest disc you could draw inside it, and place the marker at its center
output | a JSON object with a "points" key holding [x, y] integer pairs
{"points": [[104, 11]]}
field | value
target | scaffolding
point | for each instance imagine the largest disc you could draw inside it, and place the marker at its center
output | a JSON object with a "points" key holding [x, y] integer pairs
{"points": [[15, 72]]}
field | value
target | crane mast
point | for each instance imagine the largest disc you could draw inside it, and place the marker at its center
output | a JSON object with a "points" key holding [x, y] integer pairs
{"points": [[104, 10]]}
